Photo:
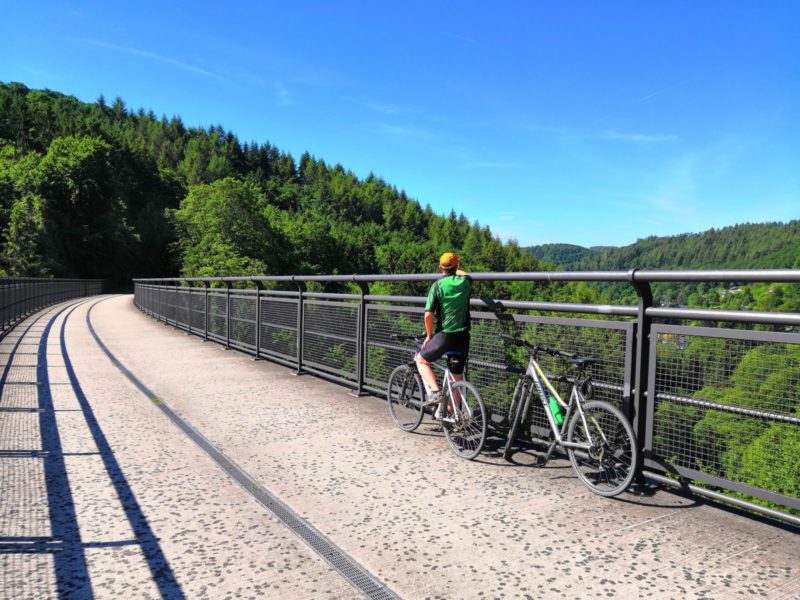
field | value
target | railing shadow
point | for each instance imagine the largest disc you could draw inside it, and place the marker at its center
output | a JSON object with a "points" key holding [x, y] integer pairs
{"points": [[64, 543], [161, 572]]}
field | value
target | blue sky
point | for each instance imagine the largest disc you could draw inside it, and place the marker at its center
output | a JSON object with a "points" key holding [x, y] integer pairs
{"points": [[585, 122]]}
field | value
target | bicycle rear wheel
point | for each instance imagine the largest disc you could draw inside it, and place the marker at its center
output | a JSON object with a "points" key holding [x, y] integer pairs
{"points": [[466, 435], [608, 466], [519, 403], [405, 397]]}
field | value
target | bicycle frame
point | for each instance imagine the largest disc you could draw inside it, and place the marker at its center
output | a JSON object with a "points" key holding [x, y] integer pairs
{"points": [[576, 400], [448, 380]]}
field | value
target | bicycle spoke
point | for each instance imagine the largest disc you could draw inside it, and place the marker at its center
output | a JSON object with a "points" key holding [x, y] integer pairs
{"points": [[404, 396], [466, 432], [608, 466]]}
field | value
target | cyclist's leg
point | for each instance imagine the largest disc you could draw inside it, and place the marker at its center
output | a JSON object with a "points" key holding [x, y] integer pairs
{"points": [[431, 352], [426, 372], [457, 355]]}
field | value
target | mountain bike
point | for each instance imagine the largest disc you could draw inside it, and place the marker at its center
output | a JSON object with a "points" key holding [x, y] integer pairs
{"points": [[463, 414], [598, 438]]}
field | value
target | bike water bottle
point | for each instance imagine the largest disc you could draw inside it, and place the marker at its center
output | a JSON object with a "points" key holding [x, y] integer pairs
{"points": [[555, 408]]}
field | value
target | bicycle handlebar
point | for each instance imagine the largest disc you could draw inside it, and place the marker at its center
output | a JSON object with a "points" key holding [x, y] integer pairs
{"points": [[537, 348], [403, 337]]}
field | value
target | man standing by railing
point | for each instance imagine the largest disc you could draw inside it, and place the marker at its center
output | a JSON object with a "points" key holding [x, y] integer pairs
{"points": [[448, 299]]}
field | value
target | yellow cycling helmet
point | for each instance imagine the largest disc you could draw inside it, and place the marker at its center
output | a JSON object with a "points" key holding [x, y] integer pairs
{"points": [[449, 260]]}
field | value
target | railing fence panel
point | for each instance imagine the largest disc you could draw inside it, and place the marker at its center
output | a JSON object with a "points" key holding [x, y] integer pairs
{"points": [[719, 406]]}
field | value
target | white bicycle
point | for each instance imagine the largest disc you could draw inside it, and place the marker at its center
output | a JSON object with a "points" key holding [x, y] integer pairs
{"points": [[463, 417]]}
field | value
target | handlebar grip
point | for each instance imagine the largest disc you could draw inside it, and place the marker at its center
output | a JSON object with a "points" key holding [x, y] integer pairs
{"points": [[401, 337], [556, 352], [512, 339]]}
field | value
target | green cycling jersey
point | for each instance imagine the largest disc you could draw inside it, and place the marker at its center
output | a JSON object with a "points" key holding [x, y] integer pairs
{"points": [[448, 299]]}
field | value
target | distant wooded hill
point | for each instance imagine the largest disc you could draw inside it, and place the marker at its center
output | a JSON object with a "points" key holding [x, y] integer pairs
{"points": [[746, 246], [564, 254]]}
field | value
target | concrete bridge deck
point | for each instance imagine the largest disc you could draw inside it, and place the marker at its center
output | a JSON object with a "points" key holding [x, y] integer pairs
{"points": [[103, 496]]}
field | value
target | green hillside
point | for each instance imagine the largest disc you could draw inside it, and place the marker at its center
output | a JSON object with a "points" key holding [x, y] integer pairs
{"points": [[745, 246], [98, 190], [564, 254]]}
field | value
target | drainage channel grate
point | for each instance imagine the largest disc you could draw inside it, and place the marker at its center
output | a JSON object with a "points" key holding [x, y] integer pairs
{"points": [[358, 577]]}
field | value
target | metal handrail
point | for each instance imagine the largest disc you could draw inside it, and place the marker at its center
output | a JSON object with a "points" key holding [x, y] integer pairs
{"points": [[638, 321]]}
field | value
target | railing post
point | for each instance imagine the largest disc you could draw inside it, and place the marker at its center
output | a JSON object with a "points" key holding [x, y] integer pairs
{"points": [[361, 338], [301, 289], [189, 316], [163, 310], [227, 314], [259, 287], [637, 413], [207, 284], [177, 295]]}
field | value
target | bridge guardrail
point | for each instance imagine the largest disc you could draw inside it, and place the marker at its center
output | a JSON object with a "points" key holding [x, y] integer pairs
{"points": [[714, 408], [21, 296]]}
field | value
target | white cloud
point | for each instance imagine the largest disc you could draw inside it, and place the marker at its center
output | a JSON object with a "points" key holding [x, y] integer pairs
{"points": [[384, 109], [402, 131], [494, 165], [660, 91], [684, 191], [39, 73], [608, 134], [284, 95], [152, 56], [644, 138]]}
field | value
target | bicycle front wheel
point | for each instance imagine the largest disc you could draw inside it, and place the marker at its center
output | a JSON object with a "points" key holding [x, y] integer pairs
{"points": [[405, 397], [608, 466], [517, 415], [467, 433]]}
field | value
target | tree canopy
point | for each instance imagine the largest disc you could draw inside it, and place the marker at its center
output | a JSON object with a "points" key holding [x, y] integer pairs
{"points": [[98, 190]]}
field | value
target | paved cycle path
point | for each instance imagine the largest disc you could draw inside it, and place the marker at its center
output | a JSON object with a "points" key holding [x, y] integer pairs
{"points": [[103, 496]]}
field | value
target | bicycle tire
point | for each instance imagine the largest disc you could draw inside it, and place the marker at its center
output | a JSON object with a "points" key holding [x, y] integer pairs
{"points": [[512, 407], [608, 468], [466, 438], [404, 395], [521, 404]]}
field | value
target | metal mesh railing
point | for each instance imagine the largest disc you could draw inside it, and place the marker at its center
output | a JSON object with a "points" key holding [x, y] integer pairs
{"points": [[278, 336], [726, 406], [21, 296], [330, 337], [718, 406], [243, 321], [218, 316]]}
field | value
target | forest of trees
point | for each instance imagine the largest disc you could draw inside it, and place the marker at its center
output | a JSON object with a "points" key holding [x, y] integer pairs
{"points": [[98, 190], [745, 246], [563, 255]]}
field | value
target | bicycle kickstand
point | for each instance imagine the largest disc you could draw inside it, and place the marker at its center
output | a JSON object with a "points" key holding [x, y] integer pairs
{"points": [[543, 459]]}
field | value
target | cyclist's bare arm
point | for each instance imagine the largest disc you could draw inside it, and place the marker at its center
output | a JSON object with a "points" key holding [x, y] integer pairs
{"points": [[428, 328]]}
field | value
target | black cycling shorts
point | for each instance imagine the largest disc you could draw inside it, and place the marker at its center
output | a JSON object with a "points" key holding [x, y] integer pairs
{"points": [[441, 343]]}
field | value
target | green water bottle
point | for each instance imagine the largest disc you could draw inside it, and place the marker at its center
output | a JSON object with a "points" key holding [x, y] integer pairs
{"points": [[555, 408]]}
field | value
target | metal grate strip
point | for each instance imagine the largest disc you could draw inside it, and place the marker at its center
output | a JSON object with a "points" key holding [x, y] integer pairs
{"points": [[361, 579]]}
